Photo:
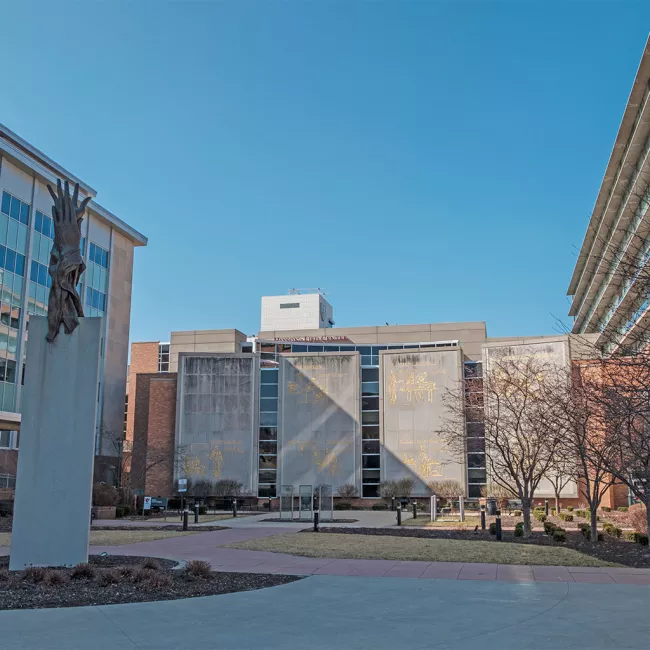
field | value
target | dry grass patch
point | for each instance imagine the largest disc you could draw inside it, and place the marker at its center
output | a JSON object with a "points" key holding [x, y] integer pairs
{"points": [[385, 547], [118, 537], [449, 522]]}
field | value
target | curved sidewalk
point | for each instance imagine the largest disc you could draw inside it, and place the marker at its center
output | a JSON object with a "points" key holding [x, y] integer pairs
{"points": [[208, 546]]}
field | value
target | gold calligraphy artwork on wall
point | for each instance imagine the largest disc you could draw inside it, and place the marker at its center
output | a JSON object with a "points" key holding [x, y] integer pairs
{"points": [[326, 460], [423, 465], [322, 453], [216, 457], [416, 385], [314, 388]]}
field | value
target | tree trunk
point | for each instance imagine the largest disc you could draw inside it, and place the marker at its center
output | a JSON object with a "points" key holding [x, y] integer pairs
{"points": [[525, 511], [647, 513], [594, 524], [557, 504]]}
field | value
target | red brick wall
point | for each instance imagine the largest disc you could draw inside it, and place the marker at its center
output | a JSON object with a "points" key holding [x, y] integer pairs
{"points": [[144, 359], [162, 423]]}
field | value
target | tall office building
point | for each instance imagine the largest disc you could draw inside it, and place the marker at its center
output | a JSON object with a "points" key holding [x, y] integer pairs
{"points": [[610, 284], [26, 237]]}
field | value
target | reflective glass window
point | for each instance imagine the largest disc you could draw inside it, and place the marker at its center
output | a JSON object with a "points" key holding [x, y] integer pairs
{"points": [[269, 390], [370, 462], [268, 433], [370, 417]]}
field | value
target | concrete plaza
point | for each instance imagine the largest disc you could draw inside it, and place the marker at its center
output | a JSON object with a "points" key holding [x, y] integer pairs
{"points": [[353, 612]]}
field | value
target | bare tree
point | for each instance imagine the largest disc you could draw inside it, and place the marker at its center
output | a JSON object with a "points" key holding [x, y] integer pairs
{"points": [[448, 489], [495, 491], [625, 399], [586, 451], [521, 429]]}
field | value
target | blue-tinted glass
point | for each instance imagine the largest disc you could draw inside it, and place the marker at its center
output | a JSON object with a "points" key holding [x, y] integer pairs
{"points": [[364, 349], [102, 301], [91, 252], [82, 244], [366, 361], [95, 299], [98, 255], [24, 214], [10, 260], [14, 212], [33, 274], [48, 281], [269, 376], [38, 221], [299, 348], [105, 259], [42, 274], [314, 348], [6, 202], [3, 252], [20, 264], [89, 296], [48, 227]]}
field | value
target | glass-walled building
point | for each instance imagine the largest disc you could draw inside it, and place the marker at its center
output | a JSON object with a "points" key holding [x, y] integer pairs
{"points": [[26, 238]]}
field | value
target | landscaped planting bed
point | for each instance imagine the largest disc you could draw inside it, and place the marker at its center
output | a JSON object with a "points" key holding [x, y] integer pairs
{"points": [[121, 579]]}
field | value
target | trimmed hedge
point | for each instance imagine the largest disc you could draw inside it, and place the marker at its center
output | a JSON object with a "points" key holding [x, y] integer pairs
{"points": [[492, 528], [342, 505], [549, 528], [540, 516], [612, 530], [569, 508], [517, 513], [639, 538], [379, 506], [606, 509], [581, 513], [622, 509], [519, 529], [559, 535], [565, 516]]}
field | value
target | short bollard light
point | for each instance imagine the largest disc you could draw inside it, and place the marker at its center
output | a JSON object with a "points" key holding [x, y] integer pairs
{"points": [[498, 525], [482, 517], [546, 507], [316, 521], [392, 503], [234, 507], [399, 514], [196, 513], [185, 519], [415, 510]]}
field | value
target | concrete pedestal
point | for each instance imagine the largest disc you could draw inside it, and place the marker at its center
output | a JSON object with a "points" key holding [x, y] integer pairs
{"points": [[55, 461]]}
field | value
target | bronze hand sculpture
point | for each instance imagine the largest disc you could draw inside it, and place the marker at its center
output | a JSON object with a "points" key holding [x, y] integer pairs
{"points": [[66, 263]]}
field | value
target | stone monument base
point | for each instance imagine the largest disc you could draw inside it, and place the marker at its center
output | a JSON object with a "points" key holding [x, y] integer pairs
{"points": [[57, 440]]}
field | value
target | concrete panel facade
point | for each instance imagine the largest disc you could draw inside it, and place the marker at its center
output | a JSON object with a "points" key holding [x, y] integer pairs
{"points": [[412, 411], [55, 465], [318, 424], [216, 421], [227, 341]]}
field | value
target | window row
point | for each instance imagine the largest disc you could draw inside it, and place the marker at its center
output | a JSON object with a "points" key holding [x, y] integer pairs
{"points": [[12, 261], [44, 224], [39, 274], [98, 255], [95, 299], [13, 234], [9, 316], [15, 208]]}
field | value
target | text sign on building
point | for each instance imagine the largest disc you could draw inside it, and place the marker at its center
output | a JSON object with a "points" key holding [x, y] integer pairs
{"points": [[182, 485], [312, 339], [319, 406], [414, 384]]}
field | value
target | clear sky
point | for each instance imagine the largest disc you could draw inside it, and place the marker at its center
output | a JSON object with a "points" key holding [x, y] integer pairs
{"points": [[420, 161]]}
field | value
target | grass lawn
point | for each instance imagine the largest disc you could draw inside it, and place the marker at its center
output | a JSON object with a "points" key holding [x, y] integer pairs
{"points": [[384, 547], [117, 537]]}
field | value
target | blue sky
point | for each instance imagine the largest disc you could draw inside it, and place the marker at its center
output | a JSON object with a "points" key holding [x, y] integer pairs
{"points": [[420, 161]]}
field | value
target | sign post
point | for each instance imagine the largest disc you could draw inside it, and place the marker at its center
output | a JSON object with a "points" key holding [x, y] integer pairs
{"points": [[182, 487]]}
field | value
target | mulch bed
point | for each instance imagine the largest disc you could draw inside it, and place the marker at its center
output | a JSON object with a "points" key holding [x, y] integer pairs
{"points": [[176, 527], [277, 520], [609, 550], [20, 592]]}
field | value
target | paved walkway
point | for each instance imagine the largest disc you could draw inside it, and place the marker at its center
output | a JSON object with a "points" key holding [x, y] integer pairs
{"points": [[330, 612], [209, 547]]}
